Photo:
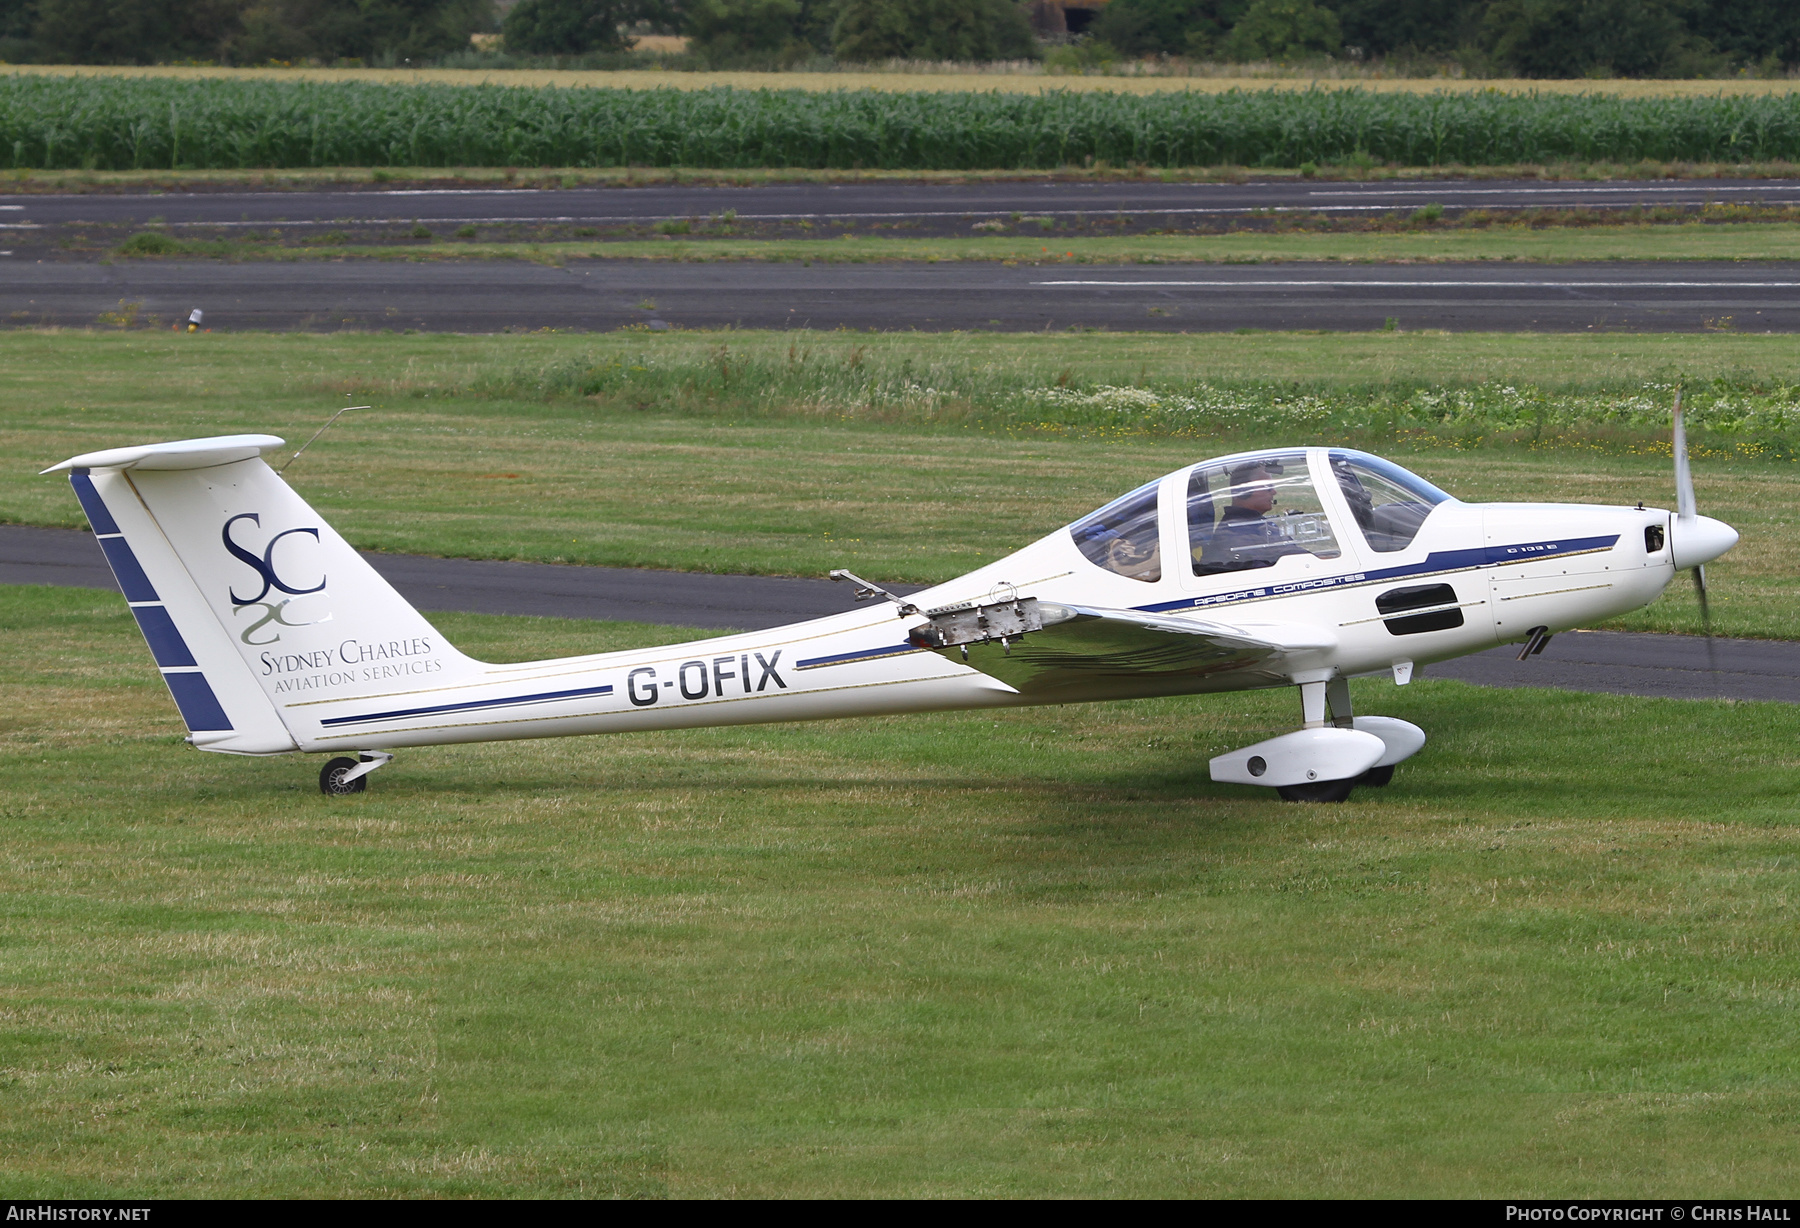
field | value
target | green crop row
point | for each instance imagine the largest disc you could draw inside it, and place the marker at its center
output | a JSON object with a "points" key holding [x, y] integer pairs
{"points": [[159, 123]]}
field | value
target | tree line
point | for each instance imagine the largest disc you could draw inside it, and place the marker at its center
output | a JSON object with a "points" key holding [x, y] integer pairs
{"points": [[1525, 38], [1529, 38]]}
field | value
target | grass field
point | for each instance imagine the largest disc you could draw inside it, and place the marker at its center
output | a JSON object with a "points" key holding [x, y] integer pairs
{"points": [[1032, 244], [1025, 953], [910, 82], [683, 462]]}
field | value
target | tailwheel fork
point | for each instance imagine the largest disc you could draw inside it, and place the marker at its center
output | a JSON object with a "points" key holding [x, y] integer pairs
{"points": [[343, 776]]}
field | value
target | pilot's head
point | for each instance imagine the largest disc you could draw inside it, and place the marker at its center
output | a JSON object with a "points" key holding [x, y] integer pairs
{"points": [[1252, 489]]}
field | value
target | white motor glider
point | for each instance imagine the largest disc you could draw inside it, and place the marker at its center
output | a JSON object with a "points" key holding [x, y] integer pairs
{"points": [[1301, 567]]}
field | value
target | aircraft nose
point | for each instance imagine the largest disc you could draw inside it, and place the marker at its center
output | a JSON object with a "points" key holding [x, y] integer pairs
{"points": [[1699, 539]]}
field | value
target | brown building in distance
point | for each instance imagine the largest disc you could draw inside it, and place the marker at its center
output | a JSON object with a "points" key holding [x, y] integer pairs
{"points": [[1053, 18]]}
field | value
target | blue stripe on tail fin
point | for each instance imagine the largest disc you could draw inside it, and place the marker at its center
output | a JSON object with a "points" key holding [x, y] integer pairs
{"points": [[166, 644], [96, 511], [200, 708]]}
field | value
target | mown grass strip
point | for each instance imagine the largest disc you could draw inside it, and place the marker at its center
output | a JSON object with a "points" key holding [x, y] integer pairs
{"points": [[148, 122], [1678, 242], [1026, 953]]}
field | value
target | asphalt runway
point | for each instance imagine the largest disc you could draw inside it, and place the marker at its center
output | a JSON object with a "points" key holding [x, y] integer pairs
{"points": [[937, 207], [481, 296], [1607, 662]]}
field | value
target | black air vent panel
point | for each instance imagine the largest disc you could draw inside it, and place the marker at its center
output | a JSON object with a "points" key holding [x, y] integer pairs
{"points": [[1420, 597]]}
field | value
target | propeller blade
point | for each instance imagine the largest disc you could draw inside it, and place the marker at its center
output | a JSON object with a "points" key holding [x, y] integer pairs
{"points": [[1688, 524], [1684, 478], [1712, 660]]}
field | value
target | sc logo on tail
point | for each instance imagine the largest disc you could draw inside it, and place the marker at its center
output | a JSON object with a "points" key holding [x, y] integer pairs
{"points": [[264, 567]]}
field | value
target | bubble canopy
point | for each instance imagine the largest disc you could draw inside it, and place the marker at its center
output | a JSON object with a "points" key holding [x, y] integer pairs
{"points": [[1250, 509], [1405, 479]]}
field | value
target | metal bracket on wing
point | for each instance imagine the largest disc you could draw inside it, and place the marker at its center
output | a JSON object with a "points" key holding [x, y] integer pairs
{"points": [[866, 590], [1048, 648], [958, 626]]}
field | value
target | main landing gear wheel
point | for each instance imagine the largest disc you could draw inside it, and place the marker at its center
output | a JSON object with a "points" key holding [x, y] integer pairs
{"points": [[1318, 790], [332, 782], [1376, 777]]}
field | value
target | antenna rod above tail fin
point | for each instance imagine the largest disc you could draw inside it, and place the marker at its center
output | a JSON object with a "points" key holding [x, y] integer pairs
{"points": [[315, 435]]}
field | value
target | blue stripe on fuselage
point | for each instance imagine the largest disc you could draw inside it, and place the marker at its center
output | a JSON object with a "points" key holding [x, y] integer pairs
{"points": [[861, 654], [468, 706], [1436, 563]]}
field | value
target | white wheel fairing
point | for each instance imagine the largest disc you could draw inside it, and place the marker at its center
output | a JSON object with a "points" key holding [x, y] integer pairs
{"points": [[1306, 756], [1401, 739]]}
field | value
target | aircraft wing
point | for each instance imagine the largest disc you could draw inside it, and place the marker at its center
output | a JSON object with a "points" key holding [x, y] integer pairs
{"points": [[1057, 651]]}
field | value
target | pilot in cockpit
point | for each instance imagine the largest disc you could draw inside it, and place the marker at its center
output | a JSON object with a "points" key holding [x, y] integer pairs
{"points": [[1244, 529]]}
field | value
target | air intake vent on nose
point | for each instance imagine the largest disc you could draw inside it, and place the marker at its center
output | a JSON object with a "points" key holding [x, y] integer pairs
{"points": [[1654, 538]]}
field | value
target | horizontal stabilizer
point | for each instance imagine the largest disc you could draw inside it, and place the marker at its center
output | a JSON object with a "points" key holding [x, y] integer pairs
{"points": [[180, 454]]}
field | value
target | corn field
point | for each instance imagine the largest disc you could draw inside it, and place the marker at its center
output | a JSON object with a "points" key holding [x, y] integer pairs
{"points": [[124, 123]]}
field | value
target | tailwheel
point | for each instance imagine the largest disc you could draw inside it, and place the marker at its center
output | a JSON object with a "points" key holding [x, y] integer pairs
{"points": [[1376, 777], [335, 779], [1318, 790]]}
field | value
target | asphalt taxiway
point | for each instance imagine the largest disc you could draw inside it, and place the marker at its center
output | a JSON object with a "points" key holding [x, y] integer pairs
{"points": [[481, 296], [933, 207], [1608, 662], [55, 270]]}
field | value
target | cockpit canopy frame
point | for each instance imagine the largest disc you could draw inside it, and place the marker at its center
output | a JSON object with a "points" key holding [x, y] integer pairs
{"points": [[1248, 510]]}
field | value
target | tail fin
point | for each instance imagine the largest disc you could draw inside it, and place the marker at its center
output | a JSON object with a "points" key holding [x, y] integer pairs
{"points": [[250, 602]]}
